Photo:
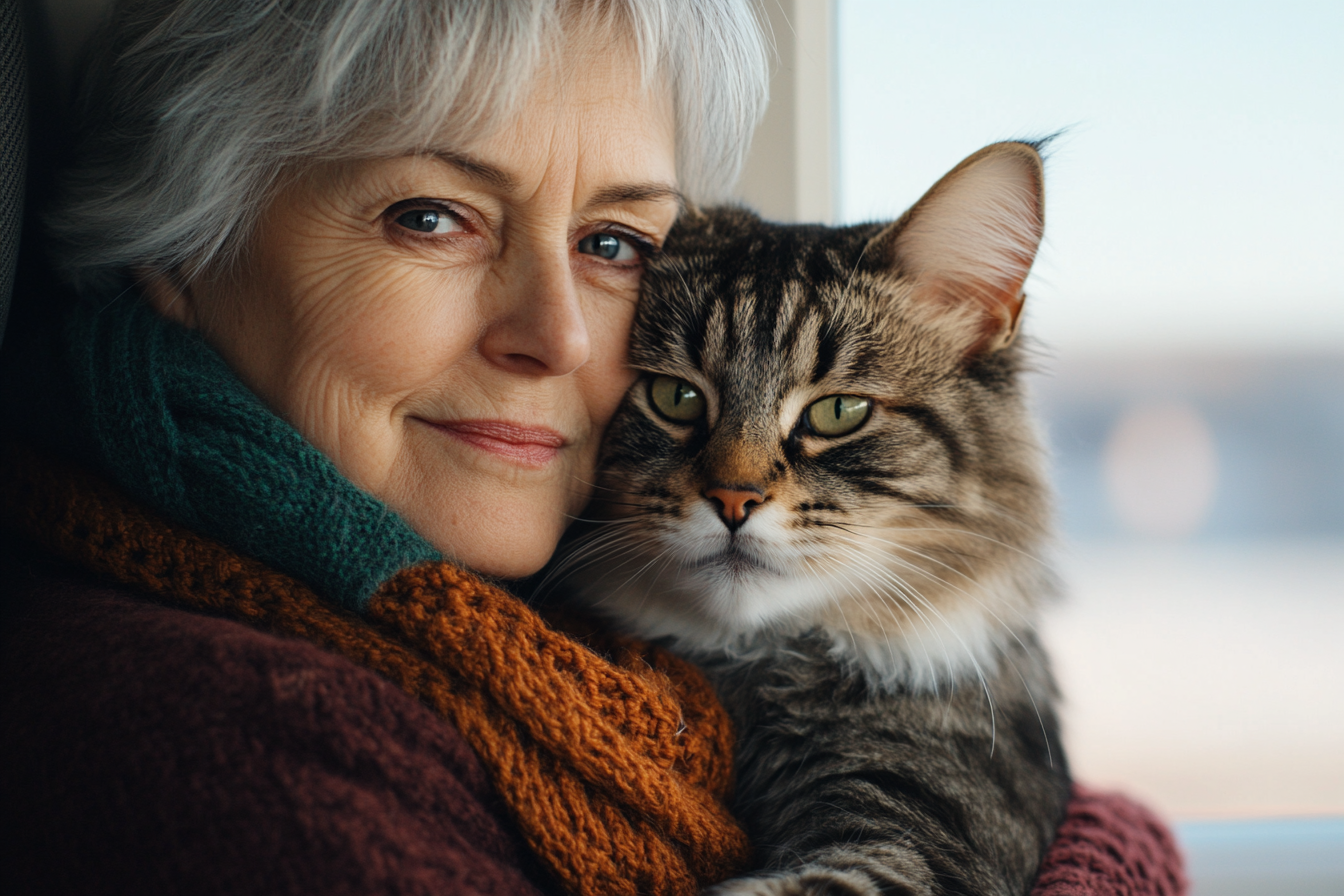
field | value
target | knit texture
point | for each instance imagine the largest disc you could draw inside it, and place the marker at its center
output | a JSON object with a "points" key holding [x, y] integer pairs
{"points": [[614, 766], [1110, 846], [151, 749], [176, 428]]}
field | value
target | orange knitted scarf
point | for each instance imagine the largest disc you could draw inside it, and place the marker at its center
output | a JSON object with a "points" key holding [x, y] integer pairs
{"points": [[614, 757]]}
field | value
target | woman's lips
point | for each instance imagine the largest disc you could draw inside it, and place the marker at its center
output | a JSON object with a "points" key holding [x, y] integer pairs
{"points": [[534, 446]]}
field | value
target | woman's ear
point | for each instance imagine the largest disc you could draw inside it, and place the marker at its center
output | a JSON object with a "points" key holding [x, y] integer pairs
{"points": [[168, 296]]}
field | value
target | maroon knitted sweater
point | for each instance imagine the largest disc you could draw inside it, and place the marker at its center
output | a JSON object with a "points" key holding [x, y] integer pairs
{"points": [[147, 749]]}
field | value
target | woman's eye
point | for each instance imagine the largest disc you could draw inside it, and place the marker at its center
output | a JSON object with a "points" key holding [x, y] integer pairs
{"points": [[838, 415], [609, 246], [428, 220], [675, 399]]}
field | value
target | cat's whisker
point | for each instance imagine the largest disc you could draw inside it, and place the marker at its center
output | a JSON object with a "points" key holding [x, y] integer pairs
{"points": [[603, 530], [667, 556], [636, 505], [603, 521], [840, 603], [913, 597], [997, 509], [853, 269], [947, 549], [660, 556], [986, 504], [907, 591], [1040, 719], [613, 550], [969, 532], [909, 599], [1024, 619], [864, 541], [585, 552], [607, 539], [595, 485], [840, 606], [903, 602]]}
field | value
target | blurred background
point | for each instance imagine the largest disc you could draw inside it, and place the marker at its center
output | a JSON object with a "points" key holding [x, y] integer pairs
{"points": [[1188, 315]]}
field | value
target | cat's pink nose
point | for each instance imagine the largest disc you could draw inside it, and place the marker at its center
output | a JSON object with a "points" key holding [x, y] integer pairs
{"points": [[734, 504]]}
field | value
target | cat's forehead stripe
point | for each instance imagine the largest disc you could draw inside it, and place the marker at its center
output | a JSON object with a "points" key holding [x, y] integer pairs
{"points": [[825, 352], [786, 318], [773, 313]]}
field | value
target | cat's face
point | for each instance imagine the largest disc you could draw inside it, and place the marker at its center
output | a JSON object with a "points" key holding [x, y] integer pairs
{"points": [[820, 438]]}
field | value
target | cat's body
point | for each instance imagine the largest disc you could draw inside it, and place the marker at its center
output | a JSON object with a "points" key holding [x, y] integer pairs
{"points": [[899, 792], [827, 491]]}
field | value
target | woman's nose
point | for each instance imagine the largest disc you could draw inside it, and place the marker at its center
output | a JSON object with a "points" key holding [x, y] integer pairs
{"points": [[537, 327]]}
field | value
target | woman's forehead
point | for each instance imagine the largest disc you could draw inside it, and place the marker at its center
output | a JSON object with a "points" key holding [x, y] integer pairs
{"points": [[600, 124]]}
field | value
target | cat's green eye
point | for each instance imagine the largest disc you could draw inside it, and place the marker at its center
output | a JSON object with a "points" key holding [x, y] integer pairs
{"points": [[838, 415], [677, 400]]}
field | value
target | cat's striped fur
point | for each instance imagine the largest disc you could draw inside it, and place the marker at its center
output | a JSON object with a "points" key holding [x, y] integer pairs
{"points": [[864, 601]]}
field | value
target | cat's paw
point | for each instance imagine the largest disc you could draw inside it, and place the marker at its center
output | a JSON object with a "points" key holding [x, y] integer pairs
{"points": [[810, 882]]}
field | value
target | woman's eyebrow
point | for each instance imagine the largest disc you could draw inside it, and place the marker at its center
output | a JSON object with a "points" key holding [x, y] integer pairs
{"points": [[613, 195], [477, 170], [637, 193]]}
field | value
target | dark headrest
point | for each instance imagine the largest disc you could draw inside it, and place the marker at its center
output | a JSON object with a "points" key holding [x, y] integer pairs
{"points": [[13, 145]]}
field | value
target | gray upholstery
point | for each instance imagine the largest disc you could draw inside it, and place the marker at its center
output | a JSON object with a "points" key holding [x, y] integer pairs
{"points": [[13, 145]]}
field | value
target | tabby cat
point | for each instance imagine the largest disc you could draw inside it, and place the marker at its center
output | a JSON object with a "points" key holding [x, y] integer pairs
{"points": [[826, 490]]}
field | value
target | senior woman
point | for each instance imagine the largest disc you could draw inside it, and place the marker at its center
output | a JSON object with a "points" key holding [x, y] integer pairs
{"points": [[355, 281], [354, 284]]}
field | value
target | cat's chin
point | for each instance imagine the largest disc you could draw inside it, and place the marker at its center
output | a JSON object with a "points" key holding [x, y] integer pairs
{"points": [[732, 608], [732, 569], [712, 602]]}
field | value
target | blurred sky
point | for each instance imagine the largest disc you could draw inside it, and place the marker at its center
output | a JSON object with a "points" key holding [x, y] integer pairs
{"points": [[1197, 198]]}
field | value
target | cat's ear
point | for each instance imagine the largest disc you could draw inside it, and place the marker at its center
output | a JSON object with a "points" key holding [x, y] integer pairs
{"points": [[968, 244]]}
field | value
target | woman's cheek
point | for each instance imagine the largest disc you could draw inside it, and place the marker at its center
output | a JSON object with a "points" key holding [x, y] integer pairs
{"points": [[393, 328], [605, 381], [607, 375]]}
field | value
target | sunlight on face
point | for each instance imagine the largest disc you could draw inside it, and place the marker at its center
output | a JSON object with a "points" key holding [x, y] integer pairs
{"points": [[450, 328]]}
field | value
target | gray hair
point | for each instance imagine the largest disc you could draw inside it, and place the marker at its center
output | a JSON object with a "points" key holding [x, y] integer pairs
{"points": [[192, 111]]}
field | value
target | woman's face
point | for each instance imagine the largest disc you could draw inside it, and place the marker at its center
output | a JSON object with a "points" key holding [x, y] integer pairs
{"points": [[450, 329]]}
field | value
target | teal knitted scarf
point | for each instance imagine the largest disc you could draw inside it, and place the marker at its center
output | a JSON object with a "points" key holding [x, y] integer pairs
{"points": [[178, 430]]}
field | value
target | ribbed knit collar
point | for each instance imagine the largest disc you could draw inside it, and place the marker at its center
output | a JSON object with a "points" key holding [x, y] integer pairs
{"points": [[174, 426]]}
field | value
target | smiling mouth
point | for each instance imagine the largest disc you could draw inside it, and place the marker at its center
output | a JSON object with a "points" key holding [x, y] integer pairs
{"points": [[528, 445]]}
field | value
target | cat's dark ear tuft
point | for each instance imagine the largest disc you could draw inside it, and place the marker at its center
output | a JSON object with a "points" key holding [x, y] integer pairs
{"points": [[967, 246]]}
